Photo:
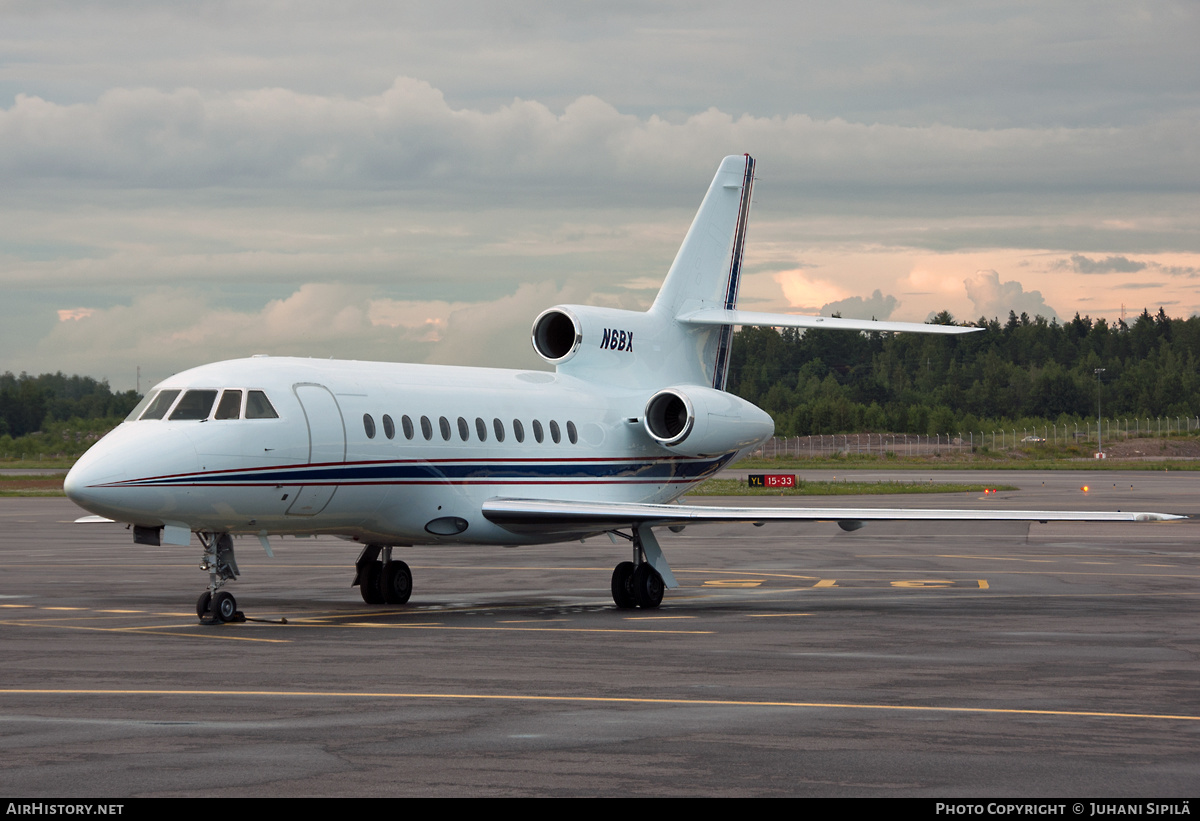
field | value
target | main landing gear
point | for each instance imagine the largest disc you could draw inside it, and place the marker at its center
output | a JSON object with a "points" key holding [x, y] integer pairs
{"points": [[638, 583], [382, 579], [215, 605]]}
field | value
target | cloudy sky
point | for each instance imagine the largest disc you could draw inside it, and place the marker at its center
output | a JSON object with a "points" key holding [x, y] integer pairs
{"points": [[186, 182]]}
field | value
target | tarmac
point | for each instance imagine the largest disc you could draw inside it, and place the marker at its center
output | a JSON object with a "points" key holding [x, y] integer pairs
{"points": [[901, 660]]}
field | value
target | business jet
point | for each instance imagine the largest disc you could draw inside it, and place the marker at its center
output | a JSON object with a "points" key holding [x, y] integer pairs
{"points": [[393, 455]]}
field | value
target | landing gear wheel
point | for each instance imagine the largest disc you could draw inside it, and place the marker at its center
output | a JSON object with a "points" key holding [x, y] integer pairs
{"points": [[369, 588], [397, 582], [203, 605], [622, 586], [224, 606], [648, 587]]}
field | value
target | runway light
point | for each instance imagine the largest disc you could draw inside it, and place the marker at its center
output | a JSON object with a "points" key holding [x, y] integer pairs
{"points": [[1084, 488]]}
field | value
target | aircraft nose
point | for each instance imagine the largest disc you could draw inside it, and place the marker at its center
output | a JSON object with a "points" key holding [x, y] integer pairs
{"points": [[105, 480]]}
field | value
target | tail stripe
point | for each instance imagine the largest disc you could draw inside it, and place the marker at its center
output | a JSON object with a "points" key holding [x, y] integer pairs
{"points": [[721, 366]]}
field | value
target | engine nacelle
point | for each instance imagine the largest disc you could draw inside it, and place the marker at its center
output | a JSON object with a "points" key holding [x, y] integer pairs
{"points": [[693, 420], [601, 338]]}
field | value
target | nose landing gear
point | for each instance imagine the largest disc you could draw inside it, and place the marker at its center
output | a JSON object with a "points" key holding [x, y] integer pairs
{"points": [[216, 606]]}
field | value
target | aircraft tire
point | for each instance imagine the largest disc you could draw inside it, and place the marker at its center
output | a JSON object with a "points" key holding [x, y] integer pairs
{"points": [[397, 582], [622, 586], [648, 587], [203, 605], [224, 606], [371, 590]]}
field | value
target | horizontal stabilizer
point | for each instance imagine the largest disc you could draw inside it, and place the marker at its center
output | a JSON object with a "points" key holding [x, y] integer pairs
{"points": [[720, 316], [549, 517]]}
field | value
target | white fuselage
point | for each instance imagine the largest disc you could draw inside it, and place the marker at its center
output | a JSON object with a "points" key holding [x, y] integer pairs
{"points": [[331, 463]]}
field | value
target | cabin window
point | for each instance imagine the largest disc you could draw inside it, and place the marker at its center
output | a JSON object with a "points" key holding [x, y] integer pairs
{"points": [[537, 431], [230, 406], [141, 406], [158, 408], [369, 425], [498, 426], [572, 434], [194, 405], [407, 424], [464, 430], [518, 430], [444, 424], [481, 429], [426, 428], [555, 434], [389, 427], [259, 407]]}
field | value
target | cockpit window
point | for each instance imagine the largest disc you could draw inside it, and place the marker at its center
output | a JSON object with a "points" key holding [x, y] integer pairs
{"points": [[141, 406], [259, 407], [194, 405], [158, 408], [231, 405]]}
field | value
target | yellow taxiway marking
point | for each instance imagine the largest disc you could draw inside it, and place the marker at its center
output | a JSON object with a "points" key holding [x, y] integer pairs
{"points": [[682, 702], [732, 583], [16, 605], [531, 629], [530, 621], [656, 618], [64, 608], [910, 584]]}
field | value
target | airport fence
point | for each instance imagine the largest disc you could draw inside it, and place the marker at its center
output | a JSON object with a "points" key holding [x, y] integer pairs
{"points": [[912, 444]]}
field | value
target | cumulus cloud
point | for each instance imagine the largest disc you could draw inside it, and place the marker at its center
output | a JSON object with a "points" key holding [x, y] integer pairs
{"points": [[1108, 265], [804, 291], [994, 299], [876, 306], [410, 137], [171, 329]]}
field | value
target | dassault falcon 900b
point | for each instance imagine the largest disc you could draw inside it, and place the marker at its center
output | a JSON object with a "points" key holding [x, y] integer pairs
{"points": [[392, 455]]}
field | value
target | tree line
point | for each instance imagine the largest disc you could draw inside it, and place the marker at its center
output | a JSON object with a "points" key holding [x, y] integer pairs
{"points": [[1022, 372], [29, 403]]}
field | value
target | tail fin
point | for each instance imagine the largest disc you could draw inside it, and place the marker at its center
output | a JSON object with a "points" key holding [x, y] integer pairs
{"points": [[707, 270]]}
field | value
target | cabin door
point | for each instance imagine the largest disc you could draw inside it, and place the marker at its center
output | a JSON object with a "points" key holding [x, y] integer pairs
{"points": [[326, 446]]}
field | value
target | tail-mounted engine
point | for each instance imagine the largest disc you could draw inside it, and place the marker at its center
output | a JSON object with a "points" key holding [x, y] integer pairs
{"points": [[597, 342], [693, 420]]}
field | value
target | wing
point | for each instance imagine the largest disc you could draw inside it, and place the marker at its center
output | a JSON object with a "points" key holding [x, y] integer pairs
{"points": [[547, 517]]}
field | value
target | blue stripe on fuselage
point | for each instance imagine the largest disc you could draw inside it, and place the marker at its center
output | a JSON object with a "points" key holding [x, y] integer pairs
{"points": [[483, 471]]}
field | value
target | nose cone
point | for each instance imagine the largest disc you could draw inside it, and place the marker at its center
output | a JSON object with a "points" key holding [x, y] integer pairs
{"points": [[116, 477], [101, 464]]}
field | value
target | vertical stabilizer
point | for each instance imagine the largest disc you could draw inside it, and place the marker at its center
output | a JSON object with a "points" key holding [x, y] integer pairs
{"points": [[666, 345], [707, 270]]}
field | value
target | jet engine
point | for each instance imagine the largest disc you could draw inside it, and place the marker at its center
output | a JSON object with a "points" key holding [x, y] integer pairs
{"points": [[693, 420]]}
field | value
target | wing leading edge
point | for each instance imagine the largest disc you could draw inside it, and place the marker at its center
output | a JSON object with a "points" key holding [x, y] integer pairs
{"points": [[548, 517]]}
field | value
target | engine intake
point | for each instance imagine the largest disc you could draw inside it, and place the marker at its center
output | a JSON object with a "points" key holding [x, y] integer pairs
{"points": [[669, 417], [556, 335]]}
